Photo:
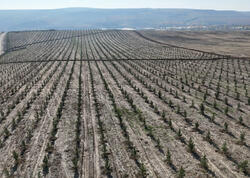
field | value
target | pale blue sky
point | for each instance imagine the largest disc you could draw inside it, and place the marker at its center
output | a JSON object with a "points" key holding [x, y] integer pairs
{"points": [[240, 5]]}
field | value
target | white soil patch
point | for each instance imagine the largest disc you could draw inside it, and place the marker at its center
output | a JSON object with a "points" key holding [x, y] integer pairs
{"points": [[2, 36]]}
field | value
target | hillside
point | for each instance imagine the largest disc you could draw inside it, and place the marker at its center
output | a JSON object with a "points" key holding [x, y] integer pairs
{"points": [[75, 18]]}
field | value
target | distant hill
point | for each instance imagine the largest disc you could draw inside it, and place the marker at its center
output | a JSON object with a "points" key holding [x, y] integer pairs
{"points": [[75, 18]]}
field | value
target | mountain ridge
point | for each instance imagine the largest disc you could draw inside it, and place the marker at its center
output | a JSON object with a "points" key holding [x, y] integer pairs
{"points": [[80, 18]]}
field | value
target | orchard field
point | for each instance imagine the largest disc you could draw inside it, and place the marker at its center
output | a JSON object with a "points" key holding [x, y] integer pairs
{"points": [[115, 103]]}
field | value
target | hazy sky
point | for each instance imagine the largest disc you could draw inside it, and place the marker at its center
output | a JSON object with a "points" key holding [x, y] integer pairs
{"points": [[241, 5]]}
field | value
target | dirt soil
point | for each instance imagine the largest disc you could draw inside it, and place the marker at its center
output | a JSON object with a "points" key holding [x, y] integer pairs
{"points": [[67, 111], [235, 43]]}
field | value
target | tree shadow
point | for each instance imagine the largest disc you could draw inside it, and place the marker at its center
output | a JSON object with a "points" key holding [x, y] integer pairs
{"points": [[196, 156]]}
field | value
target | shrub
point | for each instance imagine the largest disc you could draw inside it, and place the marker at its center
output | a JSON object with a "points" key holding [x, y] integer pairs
{"points": [[13, 124], [19, 116], [74, 162], [182, 87], [163, 115], [6, 172], [202, 109], [6, 133], [237, 96], [226, 101], [205, 97], [215, 104], [15, 156], [158, 144], [179, 134], [226, 110], [225, 127], [170, 103], [1, 115], [217, 94], [184, 99], [199, 88], [185, 113], [238, 106], [204, 162], [23, 148], [224, 148], [168, 157], [156, 110], [1, 144], [170, 123], [45, 165], [143, 171], [208, 137], [213, 117], [196, 126], [108, 168], [159, 94], [178, 109], [151, 104], [242, 166], [242, 137], [241, 120], [176, 94], [181, 173], [191, 146]]}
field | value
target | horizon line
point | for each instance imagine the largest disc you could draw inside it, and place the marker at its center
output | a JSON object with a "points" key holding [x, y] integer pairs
{"points": [[120, 8]]}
